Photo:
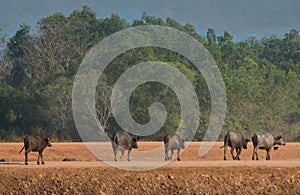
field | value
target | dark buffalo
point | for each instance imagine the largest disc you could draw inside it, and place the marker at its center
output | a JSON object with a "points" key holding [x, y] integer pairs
{"points": [[173, 142], [235, 141], [265, 141], [35, 144], [123, 141]]}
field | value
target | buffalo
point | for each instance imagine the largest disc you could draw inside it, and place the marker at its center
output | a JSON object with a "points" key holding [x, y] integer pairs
{"points": [[265, 141], [235, 141], [35, 144], [123, 141], [173, 142]]}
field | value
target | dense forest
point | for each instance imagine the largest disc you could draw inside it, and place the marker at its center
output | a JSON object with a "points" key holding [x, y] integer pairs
{"points": [[38, 65]]}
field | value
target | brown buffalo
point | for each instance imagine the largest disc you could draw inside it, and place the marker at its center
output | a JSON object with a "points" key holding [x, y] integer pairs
{"points": [[265, 141], [173, 142], [35, 144], [123, 141], [234, 141]]}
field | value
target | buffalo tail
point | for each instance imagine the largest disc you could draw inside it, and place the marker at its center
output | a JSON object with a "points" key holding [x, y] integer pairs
{"points": [[21, 150]]}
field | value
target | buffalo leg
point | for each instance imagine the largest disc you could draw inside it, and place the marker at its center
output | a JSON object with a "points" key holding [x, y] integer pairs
{"points": [[122, 154], [178, 158], [172, 152], [225, 150], [115, 153], [26, 158], [38, 160], [41, 157], [238, 152], [268, 154], [254, 153], [128, 157], [231, 151], [166, 154]]}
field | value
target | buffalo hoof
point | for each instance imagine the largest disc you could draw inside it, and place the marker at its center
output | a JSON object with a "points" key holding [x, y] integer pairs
{"points": [[237, 158], [254, 158]]}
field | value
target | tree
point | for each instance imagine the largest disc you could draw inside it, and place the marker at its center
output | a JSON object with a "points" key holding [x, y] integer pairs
{"points": [[292, 51], [55, 110], [212, 45], [37, 71], [228, 49], [113, 24], [4, 71], [274, 50], [16, 53], [17, 112], [152, 19], [103, 106]]}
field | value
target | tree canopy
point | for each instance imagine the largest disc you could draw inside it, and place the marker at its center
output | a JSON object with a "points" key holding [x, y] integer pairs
{"points": [[262, 78]]}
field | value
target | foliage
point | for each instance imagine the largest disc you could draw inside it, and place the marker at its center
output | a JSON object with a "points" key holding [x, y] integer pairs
{"points": [[262, 78]]}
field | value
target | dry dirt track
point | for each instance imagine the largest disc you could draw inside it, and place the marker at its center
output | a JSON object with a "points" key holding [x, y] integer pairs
{"points": [[192, 175]]}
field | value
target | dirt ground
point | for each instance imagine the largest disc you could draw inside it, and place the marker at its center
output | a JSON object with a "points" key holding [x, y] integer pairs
{"points": [[207, 174]]}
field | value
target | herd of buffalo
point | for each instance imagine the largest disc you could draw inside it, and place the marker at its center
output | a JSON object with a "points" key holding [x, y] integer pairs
{"points": [[122, 141]]}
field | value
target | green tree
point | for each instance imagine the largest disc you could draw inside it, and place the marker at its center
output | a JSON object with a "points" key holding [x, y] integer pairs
{"points": [[228, 49], [292, 51], [55, 110], [212, 45], [37, 72], [17, 112], [4, 70], [16, 53], [274, 50]]}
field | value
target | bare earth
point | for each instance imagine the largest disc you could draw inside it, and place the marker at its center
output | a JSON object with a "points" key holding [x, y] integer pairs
{"points": [[208, 174]]}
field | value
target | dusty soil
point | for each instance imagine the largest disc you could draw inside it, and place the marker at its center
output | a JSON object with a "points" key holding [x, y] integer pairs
{"points": [[192, 175]]}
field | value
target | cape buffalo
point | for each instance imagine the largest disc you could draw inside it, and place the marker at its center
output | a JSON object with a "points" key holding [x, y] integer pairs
{"points": [[123, 141], [265, 141], [35, 144], [235, 141], [173, 142]]}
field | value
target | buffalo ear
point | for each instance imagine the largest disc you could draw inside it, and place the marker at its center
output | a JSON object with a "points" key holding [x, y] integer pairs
{"points": [[278, 137], [137, 138]]}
